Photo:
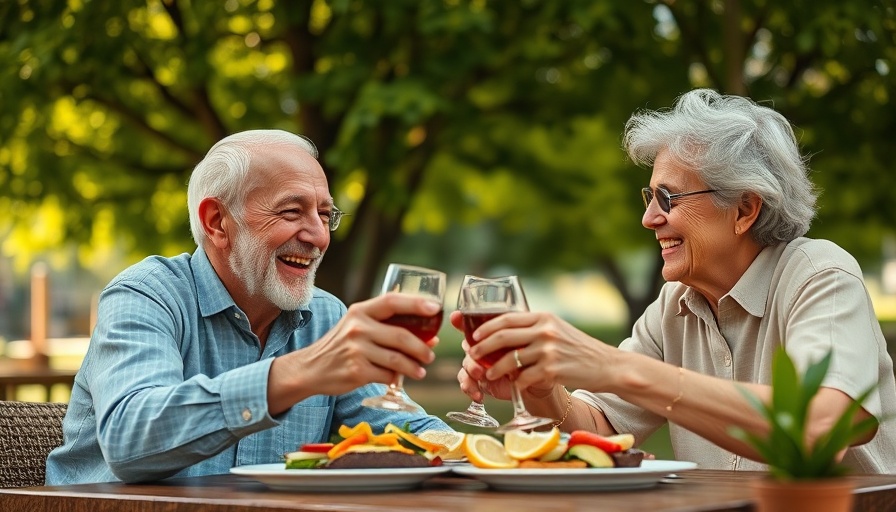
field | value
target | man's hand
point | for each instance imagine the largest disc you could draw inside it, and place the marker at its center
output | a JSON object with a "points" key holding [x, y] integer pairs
{"points": [[358, 350]]}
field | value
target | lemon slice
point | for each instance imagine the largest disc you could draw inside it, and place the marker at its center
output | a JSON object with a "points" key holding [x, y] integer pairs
{"points": [[451, 440], [556, 453], [626, 441], [484, 451], [523, 445]]}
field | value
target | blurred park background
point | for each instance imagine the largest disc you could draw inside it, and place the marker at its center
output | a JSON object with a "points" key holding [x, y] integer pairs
{"points": [[474, 136]]}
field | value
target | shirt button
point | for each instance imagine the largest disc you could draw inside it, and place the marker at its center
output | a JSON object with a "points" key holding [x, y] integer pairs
{"points": [[236, 315], [727, 360], [247, 414]]}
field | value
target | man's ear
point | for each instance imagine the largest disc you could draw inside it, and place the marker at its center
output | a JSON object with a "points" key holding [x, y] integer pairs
{"points": [[747, 211], [215, 222]]}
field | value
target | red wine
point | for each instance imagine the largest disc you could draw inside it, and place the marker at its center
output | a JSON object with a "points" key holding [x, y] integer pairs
{"points": [[423, 327], [472, 321]]}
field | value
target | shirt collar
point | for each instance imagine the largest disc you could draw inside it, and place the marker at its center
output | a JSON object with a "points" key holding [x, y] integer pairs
{"points": [[214, 298], [751, 290], [212, 295]]}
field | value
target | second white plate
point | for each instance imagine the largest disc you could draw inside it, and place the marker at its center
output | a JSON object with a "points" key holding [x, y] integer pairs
{"points": [[591, 479]]}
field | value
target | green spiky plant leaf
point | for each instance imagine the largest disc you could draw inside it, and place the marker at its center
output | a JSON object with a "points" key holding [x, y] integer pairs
{"points": [[784, 449]]}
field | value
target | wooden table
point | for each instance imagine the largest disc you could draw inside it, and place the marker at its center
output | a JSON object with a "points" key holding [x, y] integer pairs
{"points": [[15, 373], [699, 490]]}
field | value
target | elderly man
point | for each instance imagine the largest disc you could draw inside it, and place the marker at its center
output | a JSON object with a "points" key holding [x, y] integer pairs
{"points": [[230, 355]]}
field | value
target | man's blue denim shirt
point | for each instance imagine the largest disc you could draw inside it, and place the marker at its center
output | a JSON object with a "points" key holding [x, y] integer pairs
{"points": [[174, 384]]}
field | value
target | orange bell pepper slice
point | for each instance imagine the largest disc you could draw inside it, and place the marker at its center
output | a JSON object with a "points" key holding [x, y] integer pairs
{"points": [[385, 440], [346, 431], [341, 447]]}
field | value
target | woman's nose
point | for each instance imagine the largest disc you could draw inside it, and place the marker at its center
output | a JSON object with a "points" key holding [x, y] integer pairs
{"points": [[653, 216]]}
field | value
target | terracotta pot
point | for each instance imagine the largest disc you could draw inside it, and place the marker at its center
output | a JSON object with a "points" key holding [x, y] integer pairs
{"points": [[826, 495]]}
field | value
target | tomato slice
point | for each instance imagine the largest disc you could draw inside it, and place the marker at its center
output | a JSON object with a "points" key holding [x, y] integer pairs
{"points": [[577, 437], [316, 447]]}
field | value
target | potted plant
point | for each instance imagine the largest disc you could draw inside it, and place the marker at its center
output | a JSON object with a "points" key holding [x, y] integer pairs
{"points": [[802, 476]]}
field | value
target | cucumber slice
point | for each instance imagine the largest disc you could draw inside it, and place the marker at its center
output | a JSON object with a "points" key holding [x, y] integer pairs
{"points": [[304, 463], [592, 455], [294, 456]]}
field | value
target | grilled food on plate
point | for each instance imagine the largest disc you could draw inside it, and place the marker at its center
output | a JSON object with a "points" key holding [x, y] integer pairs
{"points": [[358, 447]]}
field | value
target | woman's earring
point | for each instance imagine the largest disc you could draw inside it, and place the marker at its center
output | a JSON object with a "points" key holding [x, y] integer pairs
{"points": [[737, 231]]}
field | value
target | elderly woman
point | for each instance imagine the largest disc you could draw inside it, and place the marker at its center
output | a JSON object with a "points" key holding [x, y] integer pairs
{"points": [[729, 201]]}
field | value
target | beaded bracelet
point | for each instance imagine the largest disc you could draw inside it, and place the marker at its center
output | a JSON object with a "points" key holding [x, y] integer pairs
{"points": [[568, 407]]}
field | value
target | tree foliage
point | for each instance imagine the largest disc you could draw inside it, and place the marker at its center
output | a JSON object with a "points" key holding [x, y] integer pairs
{"points": [[443, 119]]}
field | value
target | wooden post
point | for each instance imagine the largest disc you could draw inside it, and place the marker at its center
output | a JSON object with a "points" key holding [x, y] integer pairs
{"points": [[40, 311]]}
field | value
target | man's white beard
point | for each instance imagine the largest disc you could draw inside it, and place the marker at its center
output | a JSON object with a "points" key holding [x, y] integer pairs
{"points": [[247, 262]]}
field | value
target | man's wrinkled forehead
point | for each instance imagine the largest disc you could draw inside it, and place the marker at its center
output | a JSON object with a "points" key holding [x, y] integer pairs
{"points": [[274, 163]]}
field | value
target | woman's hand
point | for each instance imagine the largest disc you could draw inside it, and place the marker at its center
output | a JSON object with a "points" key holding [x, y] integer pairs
{"points": [[550, 352], [471, 378], [471, 375]]}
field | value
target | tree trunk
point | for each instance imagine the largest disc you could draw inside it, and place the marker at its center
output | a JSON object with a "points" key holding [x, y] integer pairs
{"points": [[733, 49], [635, 304]]}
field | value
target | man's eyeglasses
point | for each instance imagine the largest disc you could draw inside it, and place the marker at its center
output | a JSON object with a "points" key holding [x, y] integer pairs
{"points": [[335, 218], [664, 198]]}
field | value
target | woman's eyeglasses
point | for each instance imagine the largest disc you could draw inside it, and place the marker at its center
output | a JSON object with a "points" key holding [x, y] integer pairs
{"points": [[664, 198]]}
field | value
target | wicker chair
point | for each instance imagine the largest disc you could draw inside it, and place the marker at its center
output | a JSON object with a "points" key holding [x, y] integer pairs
{"points": [[28, 432]]}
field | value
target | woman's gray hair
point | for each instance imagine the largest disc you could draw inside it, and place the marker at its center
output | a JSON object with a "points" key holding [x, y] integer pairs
{"points": [[224, 171], [736, 146]]}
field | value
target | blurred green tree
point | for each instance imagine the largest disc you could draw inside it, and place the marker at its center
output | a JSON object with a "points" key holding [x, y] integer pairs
{"points": [[429, 116]]}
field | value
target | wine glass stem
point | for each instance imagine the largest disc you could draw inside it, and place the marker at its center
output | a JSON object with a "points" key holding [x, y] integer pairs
{"points": [[519, 407], [482, 392], [397, 384]]}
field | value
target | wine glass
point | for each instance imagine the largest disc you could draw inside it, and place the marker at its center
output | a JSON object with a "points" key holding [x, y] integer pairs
{"points": [[484, 301], [415, 281], [475, 414]]}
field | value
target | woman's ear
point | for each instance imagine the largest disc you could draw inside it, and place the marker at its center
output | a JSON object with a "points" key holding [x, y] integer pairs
{"points": [[747, 212], [215, 223]]}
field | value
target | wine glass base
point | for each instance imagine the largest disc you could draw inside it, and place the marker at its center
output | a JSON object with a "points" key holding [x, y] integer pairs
{"points": [[391, 403], [523, 422], [473, 418]]}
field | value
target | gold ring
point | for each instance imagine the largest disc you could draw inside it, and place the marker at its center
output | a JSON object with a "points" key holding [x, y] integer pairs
{"points": [[516, 357]]}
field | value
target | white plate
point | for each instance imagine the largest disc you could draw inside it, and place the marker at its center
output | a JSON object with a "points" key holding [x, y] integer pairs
{"points": [[338, 480], [590, 479]]}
